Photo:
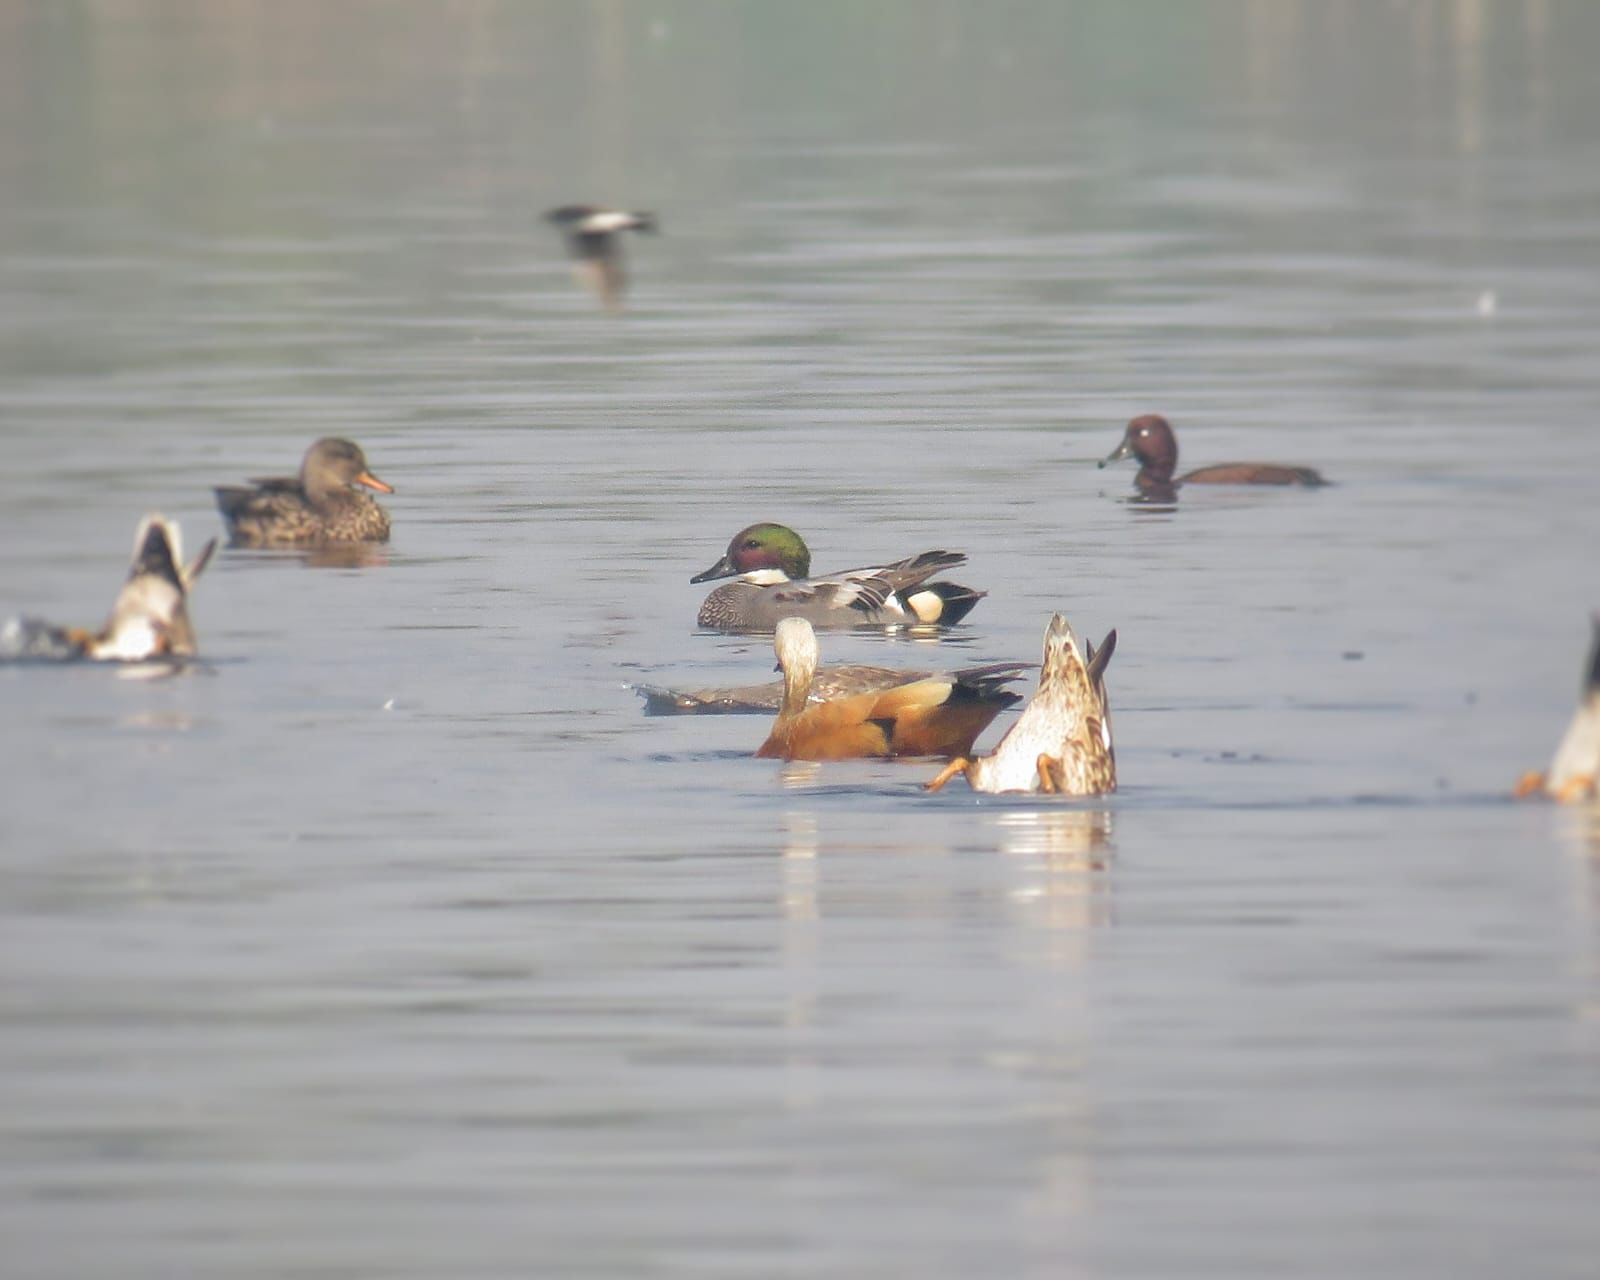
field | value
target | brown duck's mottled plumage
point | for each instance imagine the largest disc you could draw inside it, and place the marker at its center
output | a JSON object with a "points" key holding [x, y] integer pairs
{"points": [[937, 716], [1151, 439], [316, 507], [830, 684], [1061, 743]]}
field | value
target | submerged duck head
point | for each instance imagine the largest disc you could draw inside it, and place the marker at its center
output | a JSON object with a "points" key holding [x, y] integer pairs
{"points": [[150, 617], [771, 547], [332, 464], [1150, 439]]}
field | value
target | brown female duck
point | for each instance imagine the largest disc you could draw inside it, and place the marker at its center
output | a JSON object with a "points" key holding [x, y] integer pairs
{"points": [[312, 509]]}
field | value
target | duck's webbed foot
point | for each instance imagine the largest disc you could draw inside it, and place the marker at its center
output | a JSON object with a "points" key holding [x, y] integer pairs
{"points": [[1528, 784], [1580, 786], [945, 774]]}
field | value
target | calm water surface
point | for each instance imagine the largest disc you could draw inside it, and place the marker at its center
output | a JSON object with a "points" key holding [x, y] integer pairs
{"points": [[399, 942]]}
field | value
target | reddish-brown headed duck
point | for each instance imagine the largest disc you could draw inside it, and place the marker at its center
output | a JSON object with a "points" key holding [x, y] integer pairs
{"points": [[1150, 439]]}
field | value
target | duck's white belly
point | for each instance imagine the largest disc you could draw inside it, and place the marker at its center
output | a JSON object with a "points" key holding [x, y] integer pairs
{"points": [[1014, 764], [1578, 754]]}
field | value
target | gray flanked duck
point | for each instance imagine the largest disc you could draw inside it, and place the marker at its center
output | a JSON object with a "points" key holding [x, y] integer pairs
{"points": [[312, 509], [841, 680], [1151, 439], [771, 566]]}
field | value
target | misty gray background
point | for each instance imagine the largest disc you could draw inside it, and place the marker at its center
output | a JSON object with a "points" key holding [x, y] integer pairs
{"points": [[401, 943]]}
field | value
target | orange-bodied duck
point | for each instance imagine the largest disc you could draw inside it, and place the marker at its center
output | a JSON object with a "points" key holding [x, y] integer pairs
{"points": [[1061, 743], [1574, 772], [937, 716], [315, 508], [1151, 440]]}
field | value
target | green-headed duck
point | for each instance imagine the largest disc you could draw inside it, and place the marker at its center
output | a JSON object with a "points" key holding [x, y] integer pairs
{"points": [[773, 564]]}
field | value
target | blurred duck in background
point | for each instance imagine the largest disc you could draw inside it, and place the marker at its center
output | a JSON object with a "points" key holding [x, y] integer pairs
{"points": [[594, 239]]}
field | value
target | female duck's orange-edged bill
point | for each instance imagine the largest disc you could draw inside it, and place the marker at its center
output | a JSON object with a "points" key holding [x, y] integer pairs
{"points": [[936, 716], [1151, 439], [1061, 743], [1574, 772], [312, 509]]}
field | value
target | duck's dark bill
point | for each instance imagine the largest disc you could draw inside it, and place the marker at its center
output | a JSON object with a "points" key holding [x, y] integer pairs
{"points": [[1122, 451], [722, 569]]}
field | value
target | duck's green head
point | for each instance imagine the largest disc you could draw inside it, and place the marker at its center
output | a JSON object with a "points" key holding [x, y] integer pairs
{"points": [[762, 546]]}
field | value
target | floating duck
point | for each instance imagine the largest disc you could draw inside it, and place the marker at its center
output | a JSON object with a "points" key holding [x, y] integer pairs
{"points": [[1061, 743], [315, 508], [594, 239], [1574, 772], [935, 716], [773, 566], [844, 680], [1150, 439], [149, 619]]}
